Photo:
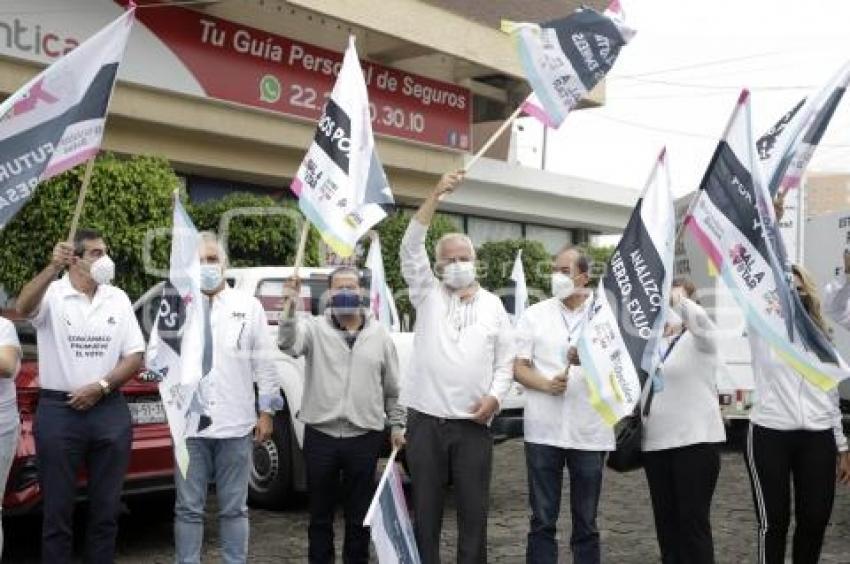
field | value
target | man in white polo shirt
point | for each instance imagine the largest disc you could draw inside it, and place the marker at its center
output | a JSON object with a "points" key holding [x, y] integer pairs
{"points": [[560, 426], [460, 370], [89, 345]]}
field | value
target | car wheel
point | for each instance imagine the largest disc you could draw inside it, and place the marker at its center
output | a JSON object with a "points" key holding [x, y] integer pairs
{"points": [[270, 485]]}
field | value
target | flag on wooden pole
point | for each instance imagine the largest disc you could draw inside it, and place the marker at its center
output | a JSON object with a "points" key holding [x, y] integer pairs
{"points": [[56, 120]]}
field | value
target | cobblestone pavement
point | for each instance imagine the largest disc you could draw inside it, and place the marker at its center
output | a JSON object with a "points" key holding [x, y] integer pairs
{"points": [[625, 521]]}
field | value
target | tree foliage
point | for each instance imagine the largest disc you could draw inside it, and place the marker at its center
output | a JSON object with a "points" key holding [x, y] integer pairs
{"points": [[496, 261], [125, 200], [130, 202], [599, 261], [256, 230]]}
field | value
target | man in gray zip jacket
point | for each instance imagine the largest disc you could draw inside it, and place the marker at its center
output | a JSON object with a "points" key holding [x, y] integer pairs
{"points": [[350, 389]]}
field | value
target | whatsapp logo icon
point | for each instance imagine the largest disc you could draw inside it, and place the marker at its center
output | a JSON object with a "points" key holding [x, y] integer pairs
{"points": [[270, 89]]}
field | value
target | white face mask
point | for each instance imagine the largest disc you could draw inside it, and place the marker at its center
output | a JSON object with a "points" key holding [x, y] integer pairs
{"points": [[562, 286], [102, 270], [458, 275], [211, 276]]}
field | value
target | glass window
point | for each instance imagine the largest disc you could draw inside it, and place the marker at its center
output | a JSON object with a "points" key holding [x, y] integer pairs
{"points": [[484, 230], [553, 238]]}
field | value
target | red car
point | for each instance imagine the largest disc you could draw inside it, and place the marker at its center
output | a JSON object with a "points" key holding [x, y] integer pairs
{"points": [[151, 460]]}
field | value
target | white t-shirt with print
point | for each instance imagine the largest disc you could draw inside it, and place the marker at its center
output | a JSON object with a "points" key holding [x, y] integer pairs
{"points": [[80, 340]]}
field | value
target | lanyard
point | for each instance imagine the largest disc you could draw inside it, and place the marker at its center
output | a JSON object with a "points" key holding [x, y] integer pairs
{"points": [[571, 329]]}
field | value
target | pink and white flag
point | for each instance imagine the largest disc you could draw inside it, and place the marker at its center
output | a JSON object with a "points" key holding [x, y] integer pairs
{"points": [[56, 120], [389, 521]]}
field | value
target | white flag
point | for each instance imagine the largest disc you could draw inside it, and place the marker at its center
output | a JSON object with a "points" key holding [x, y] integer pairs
{"points": [[56, 120], [618, 345], [733, 221], [520, 288], [341, 184], [565, 58], [381, 300], [175, 350]]}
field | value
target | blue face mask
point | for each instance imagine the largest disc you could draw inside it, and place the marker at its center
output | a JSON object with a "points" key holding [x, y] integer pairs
{"points": [[211, 277], [345, 302]]}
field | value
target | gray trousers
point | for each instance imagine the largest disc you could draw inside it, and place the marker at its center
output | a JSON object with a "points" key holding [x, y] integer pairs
{"points": [[439, 450]]}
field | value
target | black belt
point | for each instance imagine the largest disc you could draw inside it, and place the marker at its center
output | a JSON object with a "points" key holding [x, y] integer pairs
{"points": [[54, 395], [64, 396], [440, 420]]}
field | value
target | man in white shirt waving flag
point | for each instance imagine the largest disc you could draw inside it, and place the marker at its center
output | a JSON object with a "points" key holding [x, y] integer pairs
{"points": [[56, 120], [618, 348], [341, 185], [565, 58]]}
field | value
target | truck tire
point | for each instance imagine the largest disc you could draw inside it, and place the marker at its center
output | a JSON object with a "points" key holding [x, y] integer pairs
{"points": [[270, 485]]}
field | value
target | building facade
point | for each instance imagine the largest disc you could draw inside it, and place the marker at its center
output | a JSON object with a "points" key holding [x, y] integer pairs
{"points": [[229, 92]]}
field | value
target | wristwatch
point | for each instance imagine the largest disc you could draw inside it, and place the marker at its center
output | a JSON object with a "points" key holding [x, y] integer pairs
{"points": [[104, 386]]}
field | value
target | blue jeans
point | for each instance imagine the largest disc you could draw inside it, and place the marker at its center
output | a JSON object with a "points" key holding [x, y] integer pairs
{"points": [[545, 465], [227, 462]]}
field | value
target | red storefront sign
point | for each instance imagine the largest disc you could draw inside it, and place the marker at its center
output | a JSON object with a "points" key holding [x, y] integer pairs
{"points": [[241, 64]]}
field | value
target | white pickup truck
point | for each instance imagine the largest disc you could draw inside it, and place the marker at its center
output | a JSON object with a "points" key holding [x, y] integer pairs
{"points": [[278, 463]]}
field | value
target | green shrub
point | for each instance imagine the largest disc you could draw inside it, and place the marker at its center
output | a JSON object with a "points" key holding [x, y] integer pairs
{"points": [[496, 261], [257, 233], [600, 257], [126, 198]]}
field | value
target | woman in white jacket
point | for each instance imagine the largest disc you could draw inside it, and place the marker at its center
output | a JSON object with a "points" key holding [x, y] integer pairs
{"points": [[795, 437], [682, 432]]}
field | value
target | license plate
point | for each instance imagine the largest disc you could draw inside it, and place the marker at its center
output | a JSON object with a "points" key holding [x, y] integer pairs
{"points": [[144, 413]]}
